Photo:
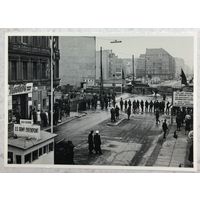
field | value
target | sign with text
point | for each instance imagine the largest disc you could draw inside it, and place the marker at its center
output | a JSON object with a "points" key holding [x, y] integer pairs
{"points": [[183, 99], [26, 122], [28, 131], [20, 89]]}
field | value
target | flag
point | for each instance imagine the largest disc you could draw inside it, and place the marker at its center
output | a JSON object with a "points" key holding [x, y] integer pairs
{"points": [[183, 78]]}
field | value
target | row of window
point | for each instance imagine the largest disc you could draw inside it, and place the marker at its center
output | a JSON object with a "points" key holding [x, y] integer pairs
{"points": [[32, 74], [35, 41], [31, 156]]}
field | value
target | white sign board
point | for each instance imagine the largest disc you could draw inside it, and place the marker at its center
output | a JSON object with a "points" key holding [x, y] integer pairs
{"points": [[183, 99], [26, 122], [29, 131]]}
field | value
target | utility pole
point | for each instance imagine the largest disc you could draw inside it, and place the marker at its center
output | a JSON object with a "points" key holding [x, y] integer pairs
{"points": [[101, 71], [133, 68]]}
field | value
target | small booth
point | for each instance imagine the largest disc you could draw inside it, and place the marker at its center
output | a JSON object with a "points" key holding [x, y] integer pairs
{"points": [[30, 145]]}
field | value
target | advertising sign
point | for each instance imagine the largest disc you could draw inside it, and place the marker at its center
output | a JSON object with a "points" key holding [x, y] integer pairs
{"points": [[28, 131], [20, 89], [183, 99]]}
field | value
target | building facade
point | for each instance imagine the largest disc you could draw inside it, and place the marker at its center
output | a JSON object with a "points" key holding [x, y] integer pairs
{"points": [[156, 63], [78, 60], [29, 68]]}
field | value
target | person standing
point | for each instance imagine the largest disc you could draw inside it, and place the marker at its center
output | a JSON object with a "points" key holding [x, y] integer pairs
{"points": [[165, 128], [146, 106], [167, 108], [138, 106], [150, 106], [125, 105], [178, 121], [142, 105], [112, 112], [97, 143], [91, 142], [117, 112], [129, 112], [121, 104], [157, 116], [34, 116], [129, 103], [134, 106], [38, 117]]}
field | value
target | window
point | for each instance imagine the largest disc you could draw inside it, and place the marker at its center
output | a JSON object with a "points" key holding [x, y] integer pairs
{"points": [[51, 147], [25, 70], [43, 70], [44, 103], [14, 70], [35, 155], [25, 39], [40, 151], [28, 158], [18, 159], [34, 70], [45, 149], [10, 157]]}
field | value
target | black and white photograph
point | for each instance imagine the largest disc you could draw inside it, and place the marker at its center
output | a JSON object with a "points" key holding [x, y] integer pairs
{"points": [[100, 100]]}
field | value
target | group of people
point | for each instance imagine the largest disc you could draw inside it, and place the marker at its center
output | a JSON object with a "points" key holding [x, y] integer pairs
{"points": [[184, 116], [148, 106], [94, 142]]}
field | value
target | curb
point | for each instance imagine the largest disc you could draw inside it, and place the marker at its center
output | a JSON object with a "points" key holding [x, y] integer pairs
{"points": [[71, 119], [117, 123]]}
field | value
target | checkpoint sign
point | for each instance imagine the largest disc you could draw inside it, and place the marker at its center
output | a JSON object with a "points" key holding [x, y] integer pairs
{"points": [[183, 99]]}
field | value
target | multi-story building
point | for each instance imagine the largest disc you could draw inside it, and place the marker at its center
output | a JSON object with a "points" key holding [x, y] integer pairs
{"points": [[156, 63], [78, 60], [29, 61]]}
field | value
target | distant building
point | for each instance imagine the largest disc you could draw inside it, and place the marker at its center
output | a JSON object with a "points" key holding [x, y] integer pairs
{"points": [[78, 60], [156, 63], [29, 59]]}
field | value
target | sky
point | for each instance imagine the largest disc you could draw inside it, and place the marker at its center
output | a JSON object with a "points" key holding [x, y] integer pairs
{"points": [[177, 46]]}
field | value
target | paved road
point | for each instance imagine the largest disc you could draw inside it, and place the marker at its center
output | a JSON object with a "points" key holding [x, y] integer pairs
{"points": [[130, 143]]}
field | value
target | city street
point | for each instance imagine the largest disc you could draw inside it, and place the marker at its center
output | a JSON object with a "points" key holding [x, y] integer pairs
{"points": [[132, 142]]}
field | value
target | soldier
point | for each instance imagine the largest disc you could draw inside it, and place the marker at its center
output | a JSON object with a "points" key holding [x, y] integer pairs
{"points": [[97, 143], [121, 104], [91, 142], [146, 106], [125, 105], [142, 105]]}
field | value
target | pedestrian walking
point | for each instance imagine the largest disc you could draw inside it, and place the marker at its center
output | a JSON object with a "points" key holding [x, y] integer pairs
{"points": [[129, 112], [121, 104], [167, 108], [157, 116], [91, 142], [97, 143], [165, 128], [178, 121]]}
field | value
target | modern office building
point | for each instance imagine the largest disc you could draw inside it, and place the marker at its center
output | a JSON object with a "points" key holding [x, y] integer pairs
{"points": [[78, 60]]}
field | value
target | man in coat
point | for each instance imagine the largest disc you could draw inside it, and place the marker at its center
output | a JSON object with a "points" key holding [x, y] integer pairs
{"points": [[91, 142], [121, 104], [129, 112], [97, 143]]}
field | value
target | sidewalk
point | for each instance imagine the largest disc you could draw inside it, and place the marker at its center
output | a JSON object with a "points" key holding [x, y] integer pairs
{"points": [[173, 151], [73, 115]]}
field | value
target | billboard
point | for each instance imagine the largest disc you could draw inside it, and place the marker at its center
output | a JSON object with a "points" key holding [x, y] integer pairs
{"points": [[183, 99]]}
